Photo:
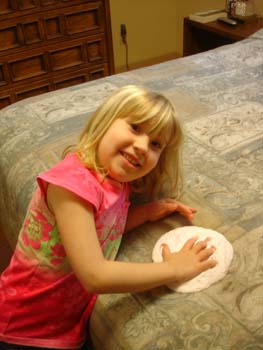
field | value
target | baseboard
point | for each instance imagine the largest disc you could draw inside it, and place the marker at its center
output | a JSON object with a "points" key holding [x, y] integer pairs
{"points": [[148, 62]]}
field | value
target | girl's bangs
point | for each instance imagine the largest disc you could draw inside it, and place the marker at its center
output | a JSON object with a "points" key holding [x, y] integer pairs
{"points": [[159, 121]]}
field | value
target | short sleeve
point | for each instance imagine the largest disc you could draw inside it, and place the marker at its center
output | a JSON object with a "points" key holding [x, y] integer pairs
{"points": [[73, 176]]}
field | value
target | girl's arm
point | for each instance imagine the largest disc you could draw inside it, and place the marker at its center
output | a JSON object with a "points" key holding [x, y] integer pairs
{"points": [[97, 275], [156, 210]]}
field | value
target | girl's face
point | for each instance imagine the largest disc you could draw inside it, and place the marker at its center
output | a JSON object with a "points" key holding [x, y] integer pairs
{"points": [[127, 151]]}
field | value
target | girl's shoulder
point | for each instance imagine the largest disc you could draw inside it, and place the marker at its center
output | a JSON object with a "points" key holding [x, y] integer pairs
{"points": [[71, 174], [68, 171]]}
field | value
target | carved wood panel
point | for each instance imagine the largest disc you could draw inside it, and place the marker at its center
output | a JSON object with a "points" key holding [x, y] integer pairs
{"points": [[27, 4], [75, 21], [9, 37], [50, 44], [5, 101], [53, 27], [28, 67], [67, 57], [2, 78], [32, 32], [52, 82], [7, 7], [70, 54], [34, 90]]}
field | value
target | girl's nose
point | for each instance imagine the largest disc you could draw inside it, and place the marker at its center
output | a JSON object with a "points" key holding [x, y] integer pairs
{"points": [[141, 143]]}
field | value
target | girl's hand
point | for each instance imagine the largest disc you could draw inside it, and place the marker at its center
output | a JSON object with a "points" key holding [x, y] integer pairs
{"points": [[191, 260], [160, 208]]}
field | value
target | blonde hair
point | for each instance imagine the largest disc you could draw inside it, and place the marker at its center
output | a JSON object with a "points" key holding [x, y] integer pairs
{"points": [[141, 106]]}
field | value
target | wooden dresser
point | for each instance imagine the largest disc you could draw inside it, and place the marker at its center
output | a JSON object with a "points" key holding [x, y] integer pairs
{"points": [[50, 44]]}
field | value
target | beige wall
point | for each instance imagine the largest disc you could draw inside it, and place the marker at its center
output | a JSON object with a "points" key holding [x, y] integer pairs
{"points": [[150, 28], [259, 7], [154, 27]]}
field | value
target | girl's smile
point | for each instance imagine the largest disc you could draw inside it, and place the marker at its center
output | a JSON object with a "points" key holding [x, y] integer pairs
{"points": [[128, 152], [131, 160]]}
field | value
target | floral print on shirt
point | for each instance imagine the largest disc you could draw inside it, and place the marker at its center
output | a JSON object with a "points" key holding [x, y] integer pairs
{"points": [[43, 238]]}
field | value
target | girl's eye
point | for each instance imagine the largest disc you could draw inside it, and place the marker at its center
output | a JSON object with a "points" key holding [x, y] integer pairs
{"points": [[135, 127], [156, 144]]}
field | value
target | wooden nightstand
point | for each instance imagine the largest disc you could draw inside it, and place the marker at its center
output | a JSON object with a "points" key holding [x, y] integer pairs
{"points": [[199, 37]]}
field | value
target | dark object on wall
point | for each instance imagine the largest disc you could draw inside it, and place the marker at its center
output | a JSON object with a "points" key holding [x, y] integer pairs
{"points": [[125, 42]]}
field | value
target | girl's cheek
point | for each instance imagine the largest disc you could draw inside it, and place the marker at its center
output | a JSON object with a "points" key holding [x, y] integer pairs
{"points": [[157, 156], [154, 159]]}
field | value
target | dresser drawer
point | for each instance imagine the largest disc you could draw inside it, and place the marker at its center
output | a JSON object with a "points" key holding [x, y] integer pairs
{"points": [[50, 27], [52, 82], [68, 55]]}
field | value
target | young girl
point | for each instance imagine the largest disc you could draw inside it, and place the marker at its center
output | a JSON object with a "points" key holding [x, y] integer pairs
{"points": [[72, 231]]}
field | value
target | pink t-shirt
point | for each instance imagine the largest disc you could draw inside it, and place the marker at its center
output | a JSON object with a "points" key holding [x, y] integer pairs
{"points": [[41, 301]]}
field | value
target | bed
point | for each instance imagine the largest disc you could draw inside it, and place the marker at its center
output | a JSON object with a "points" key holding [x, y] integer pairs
{"points": [[219, 96]]}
